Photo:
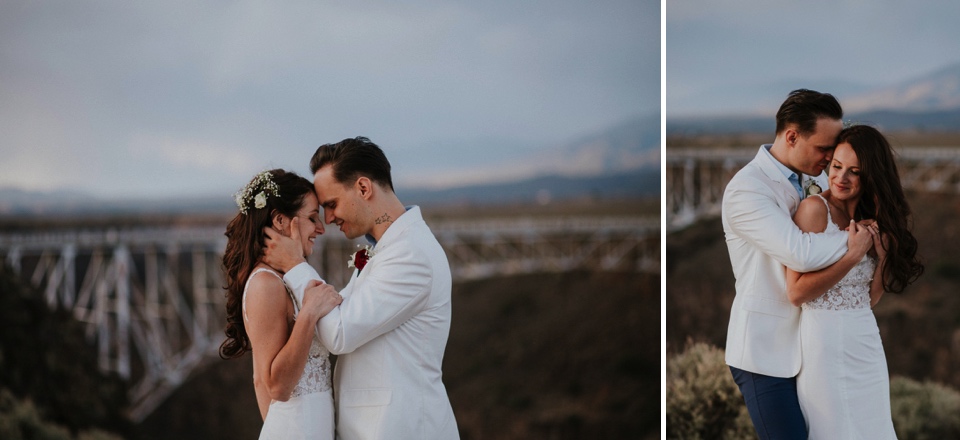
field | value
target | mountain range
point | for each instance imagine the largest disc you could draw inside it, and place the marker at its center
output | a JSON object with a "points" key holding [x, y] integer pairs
{"points": [[621, 161], [928, 102]]}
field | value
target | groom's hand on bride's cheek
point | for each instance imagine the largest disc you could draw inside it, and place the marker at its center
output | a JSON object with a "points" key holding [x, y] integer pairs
{"points": [[281, 252]]}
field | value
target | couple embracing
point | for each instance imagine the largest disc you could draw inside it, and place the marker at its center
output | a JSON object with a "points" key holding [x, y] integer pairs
{"points": [[803, 344], [389, 325]]}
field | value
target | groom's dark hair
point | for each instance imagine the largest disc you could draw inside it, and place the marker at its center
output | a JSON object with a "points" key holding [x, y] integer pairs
{"points": [[803, 107], [352, 158]]}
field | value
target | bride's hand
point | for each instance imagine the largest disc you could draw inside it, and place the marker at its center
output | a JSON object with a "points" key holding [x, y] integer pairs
{"points": [[319, 299], [859, 239], [880, 242], [867, 222]]}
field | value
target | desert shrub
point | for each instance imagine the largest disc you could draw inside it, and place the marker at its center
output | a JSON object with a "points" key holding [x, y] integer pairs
{"points": [[22, 420], [703, 402], [925, 410], [47, 365]]}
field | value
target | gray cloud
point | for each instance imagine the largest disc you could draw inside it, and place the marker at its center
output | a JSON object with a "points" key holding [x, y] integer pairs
{"points": [[739, 46], [145, 99]]}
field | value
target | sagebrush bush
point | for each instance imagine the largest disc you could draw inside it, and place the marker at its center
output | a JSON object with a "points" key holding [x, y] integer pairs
{"points": [[924, 410], [703, 402], [22, 420]]}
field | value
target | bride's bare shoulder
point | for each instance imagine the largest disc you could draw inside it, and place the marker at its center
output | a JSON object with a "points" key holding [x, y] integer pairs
{"points": [[266, 290], [811, 215]]}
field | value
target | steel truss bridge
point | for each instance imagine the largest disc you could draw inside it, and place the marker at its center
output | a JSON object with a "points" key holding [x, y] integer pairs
{"points": [[152, 298], [696, 177]]}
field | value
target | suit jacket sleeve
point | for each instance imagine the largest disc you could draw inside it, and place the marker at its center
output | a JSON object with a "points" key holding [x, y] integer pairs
{"points": [[392, 290], [756, 217], [298, 278]]}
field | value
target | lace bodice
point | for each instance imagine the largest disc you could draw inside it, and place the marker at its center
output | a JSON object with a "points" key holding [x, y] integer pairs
{"points": [[316, 373], [853, 291]]}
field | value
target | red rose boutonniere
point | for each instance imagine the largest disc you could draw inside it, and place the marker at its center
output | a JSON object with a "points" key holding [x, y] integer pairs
{"points": [[360, 258]]}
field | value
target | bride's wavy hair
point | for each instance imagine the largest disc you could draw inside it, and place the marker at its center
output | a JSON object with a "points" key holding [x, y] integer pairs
{"points": [[882, 199], [245, 242]]}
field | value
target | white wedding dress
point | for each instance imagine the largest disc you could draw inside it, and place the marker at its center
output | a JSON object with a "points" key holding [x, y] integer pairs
{"points": [[308, 414], [843, 384]]}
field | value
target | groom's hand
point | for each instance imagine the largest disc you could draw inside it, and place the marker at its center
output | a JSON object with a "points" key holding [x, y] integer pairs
{"points": [[280, 252]]}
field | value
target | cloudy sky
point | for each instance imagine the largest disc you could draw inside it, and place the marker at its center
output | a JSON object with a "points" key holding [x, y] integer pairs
{"points": [[167, 98], [720, 52]]}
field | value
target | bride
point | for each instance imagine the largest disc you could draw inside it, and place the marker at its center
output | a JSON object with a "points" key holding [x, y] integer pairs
{"points": [[843, 384], [291, 368]]}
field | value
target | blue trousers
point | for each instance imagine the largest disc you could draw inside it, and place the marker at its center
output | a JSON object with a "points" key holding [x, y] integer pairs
{"points": [[773, 405]]}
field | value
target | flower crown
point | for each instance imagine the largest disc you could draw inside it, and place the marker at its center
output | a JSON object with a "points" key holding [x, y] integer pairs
{"points": [[263, 181]]}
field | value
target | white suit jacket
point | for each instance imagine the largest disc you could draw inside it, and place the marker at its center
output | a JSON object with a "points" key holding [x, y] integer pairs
{"points": [[390, 333], [758, 205]]}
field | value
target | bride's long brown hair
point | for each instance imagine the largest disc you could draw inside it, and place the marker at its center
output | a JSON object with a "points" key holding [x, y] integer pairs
{"points": [[882, 199], [245, 247]]}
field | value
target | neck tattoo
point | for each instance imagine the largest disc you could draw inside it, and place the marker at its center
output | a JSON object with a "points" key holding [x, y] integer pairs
{"points": [[385, 218]]}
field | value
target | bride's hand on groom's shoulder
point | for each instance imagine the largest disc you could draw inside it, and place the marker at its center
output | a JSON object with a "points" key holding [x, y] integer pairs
{"points": [[281, 252]]}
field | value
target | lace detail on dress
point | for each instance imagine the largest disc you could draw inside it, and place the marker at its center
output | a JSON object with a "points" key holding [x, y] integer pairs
{"points": [[853, 291], [316, 373]]}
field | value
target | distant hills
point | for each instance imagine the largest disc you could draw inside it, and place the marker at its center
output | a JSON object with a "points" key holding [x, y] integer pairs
{"points": [[623, 147], [642, 182], [886, 120], [935, 92], [622, 161], [929, 102], [628, 146], [638, 183]]}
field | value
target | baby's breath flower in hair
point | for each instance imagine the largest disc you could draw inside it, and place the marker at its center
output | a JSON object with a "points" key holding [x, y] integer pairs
{"points": [[256, 191]]}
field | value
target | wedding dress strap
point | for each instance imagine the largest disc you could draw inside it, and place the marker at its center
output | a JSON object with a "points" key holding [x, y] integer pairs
{"points": [[296, 306], [825, 203], [830, 221], [263, 269]]}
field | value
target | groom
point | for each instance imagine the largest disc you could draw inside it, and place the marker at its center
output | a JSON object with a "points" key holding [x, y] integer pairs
{"points": [[763, 339], [391, 330]]}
